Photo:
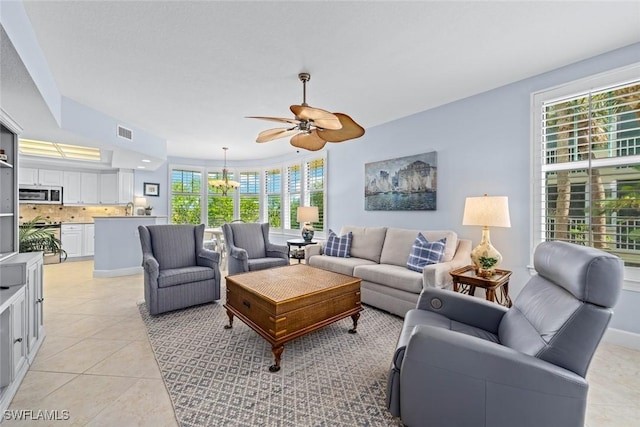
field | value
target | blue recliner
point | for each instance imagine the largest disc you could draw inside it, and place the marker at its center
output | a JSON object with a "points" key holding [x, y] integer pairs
{"points": [[463, 361], [178, 271]]}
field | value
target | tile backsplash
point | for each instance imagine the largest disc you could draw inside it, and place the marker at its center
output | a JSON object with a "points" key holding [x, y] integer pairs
{"points": [[57, 213]]}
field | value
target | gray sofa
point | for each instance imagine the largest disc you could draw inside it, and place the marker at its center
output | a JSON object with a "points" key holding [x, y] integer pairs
{"points": [[379, 257]]}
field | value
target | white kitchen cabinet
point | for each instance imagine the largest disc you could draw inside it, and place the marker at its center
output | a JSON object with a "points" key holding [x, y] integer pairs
{"points": [[35, 298], [78, 240], [18, 311], [80, 188], [71, 188], [125, 186], [116, 188], [33, 176], [89, 188], [72, 239], [28, 176], [109, 188], [50, 177], [21, 320], [88, 247]]}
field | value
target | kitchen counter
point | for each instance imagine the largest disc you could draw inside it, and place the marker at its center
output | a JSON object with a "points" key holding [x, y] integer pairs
{"points": [[117, 244]]}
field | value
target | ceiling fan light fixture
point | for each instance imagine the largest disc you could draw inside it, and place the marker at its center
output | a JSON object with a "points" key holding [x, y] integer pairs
{"points": [[224, 184], [314, 127]]}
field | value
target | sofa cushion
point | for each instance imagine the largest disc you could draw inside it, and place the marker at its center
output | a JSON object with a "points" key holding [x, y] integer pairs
{"points": [[338, 246], [424, 252], [367, 241], [393, 276], [338, 265], [398, 243]]}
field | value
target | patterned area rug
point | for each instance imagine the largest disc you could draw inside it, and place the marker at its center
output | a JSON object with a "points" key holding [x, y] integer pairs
{"points": [[219, 377]]}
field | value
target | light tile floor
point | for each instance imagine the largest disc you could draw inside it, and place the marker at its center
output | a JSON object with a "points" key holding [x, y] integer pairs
{"points": [[96, 361]]}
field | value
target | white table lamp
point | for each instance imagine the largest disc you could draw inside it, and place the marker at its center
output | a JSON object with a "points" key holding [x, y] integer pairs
{"points": [[307, 215], [486, 211], [140, 203]]}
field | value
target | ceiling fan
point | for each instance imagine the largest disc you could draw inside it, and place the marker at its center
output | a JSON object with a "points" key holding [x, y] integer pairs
{"points": [[312, 127]]}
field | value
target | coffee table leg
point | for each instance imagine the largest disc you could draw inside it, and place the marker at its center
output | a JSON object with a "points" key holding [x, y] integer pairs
{"points": [[277, 352], [230, 315], [355, 318]]}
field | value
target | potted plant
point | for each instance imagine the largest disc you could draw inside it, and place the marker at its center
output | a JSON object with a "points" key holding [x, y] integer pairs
{"points": [[487, 266], [148, 209], [32, 237]]}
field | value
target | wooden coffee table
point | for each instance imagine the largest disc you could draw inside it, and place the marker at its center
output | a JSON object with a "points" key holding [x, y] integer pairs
{"points": [[284, 303]]}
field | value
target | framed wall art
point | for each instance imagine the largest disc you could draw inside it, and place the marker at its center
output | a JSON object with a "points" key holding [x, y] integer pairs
{"points": [[402, 184], [151, 189]]}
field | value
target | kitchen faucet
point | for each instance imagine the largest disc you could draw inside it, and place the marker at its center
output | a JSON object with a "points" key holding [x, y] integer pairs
{"points": [[129, 209]]}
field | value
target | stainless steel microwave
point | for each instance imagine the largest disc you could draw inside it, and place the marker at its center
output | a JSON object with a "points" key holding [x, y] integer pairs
{"points": [[40, 194]]}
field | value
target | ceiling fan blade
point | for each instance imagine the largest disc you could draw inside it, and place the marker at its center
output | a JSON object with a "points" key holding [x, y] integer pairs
{"points": [[271, 134], [275, 119], [309, 141], [350, 130], [320, 118]]}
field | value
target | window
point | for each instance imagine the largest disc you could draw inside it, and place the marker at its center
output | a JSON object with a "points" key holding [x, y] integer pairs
{"points": [[185, 196], [293, 195], [587, 163], [315, 190], [273, 192], [268, 194], [250, 196], [219, 206]]}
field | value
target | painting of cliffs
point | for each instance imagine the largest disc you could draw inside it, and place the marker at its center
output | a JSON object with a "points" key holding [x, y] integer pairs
{"points": [[405, 183]]}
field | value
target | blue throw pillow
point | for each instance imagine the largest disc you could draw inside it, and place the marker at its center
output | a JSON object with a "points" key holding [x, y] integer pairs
{"points": [[338, 246], [424, 253]]}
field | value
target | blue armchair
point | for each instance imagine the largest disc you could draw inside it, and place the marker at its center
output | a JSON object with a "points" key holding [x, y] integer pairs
{"points": [[249, 248], [463, 361], [178, 271]]}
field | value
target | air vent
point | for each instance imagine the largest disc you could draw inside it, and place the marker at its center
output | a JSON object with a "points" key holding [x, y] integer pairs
{"points": [[125, 133]]}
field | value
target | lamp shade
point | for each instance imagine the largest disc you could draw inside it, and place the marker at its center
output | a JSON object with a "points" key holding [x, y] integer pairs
{"points": [[307, 214], [140, 201], [491, 211]]}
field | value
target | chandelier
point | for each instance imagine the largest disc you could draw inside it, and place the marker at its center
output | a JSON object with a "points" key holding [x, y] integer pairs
{"points": [[224, 184]]}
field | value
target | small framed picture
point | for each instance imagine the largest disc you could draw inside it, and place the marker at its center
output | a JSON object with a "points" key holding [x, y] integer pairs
{"points": [[151, 189]]}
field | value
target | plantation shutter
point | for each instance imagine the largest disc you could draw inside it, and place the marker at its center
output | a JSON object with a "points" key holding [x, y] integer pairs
{"points": [[293, 194], [315, 174], [273, 196], [185, 196], [590, 170], [249, 196]]}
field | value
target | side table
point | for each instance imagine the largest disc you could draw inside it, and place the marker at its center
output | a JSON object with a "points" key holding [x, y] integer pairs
{"points": [[298, 243], [466, 281]]}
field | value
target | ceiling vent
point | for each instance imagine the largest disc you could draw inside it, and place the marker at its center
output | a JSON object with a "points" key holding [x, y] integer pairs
{"points": [[125, 133]]}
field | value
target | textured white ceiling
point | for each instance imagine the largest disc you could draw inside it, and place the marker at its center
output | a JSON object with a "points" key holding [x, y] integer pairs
{"points": [[190, 71]]}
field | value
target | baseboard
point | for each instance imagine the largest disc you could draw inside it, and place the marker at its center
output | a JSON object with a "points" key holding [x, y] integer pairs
{"points": [[130, 271], [623, 338]]}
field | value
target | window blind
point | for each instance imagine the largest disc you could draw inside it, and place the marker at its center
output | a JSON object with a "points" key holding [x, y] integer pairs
{"points": [[273, 197], [185, 196], [589, 164], [249, 196], [315, 173]]}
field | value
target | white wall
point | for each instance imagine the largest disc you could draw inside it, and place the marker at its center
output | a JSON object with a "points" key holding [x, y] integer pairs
{"points": [[483, 145]]}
